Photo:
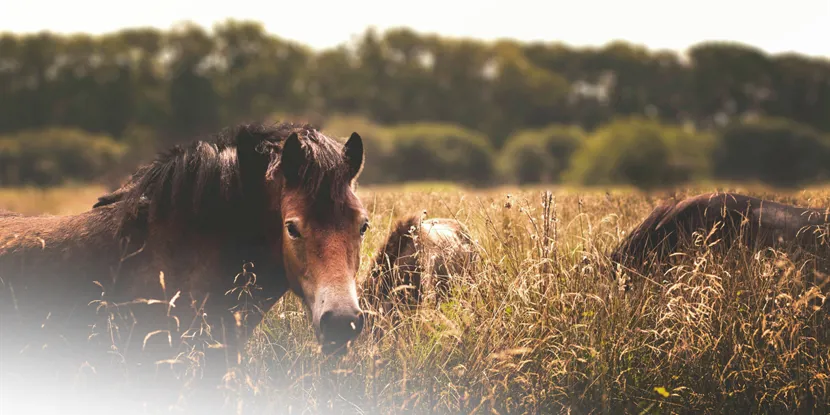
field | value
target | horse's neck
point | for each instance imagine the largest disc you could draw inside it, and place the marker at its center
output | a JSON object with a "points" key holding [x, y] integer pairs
{"points": [[209, 261]]}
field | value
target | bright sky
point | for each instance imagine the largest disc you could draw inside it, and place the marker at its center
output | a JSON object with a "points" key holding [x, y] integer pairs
{"points": [[794, 25]]}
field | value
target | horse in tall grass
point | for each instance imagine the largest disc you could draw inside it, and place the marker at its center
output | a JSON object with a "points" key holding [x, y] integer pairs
{"points": [[725, 220], [420, 257], [165, 250]]}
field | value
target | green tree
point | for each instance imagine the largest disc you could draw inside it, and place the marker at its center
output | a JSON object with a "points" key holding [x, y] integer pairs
{"points": [[144, 49], [258, 73], [801, 90], [729, 80], [460, 91], [194, 102], [525, 95]]}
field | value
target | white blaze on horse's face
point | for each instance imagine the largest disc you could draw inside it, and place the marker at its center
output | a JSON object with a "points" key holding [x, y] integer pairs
{"points": [[320, 243]]}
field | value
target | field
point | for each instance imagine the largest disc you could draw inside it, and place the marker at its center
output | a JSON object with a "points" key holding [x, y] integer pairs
{"points": [[541, 328]]}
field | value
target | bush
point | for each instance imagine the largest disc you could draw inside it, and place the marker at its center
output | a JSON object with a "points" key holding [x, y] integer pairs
{"points": [[53, 156], [774, 151], [542, 155], [642, 153], [440, 152], [416, 152]]}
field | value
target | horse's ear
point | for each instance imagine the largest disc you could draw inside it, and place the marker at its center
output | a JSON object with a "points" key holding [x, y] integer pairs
{"points": [[292, 159], [353, 151]]}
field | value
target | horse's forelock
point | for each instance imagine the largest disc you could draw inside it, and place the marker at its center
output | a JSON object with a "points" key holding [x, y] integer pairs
{"points": [[326, 180]]}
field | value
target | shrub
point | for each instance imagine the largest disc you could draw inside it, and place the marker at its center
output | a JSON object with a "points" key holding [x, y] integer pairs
{"points": [[532, 156], [53, 156], [642, 153], [443, 152], [774, 151]]}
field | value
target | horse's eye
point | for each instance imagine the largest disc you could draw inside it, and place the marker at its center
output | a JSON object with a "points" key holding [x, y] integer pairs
{"points": [[364, 228], [293, 232]]}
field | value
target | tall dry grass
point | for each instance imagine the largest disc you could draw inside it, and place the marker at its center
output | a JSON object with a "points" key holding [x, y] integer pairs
{"points": [[542, 328]]}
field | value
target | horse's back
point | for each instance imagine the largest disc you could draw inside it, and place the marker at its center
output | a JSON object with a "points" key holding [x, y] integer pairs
{"points": [[447, 245], [445, 231], [7, 213], [53, 237], [703, 211], [45, 260], [757, 221], [53, 269], [768, 221]]}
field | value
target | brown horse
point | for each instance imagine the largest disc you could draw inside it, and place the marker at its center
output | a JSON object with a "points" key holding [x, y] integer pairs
{"points": [[729, 218], [420, 257], [166, 250]]}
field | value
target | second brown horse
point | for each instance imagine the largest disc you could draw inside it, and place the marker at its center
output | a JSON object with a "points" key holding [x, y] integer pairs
{"points": [[729, 218], [420, 257]]}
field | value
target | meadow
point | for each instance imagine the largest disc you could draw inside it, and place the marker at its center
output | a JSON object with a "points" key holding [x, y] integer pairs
{"points": [[541, 327]]}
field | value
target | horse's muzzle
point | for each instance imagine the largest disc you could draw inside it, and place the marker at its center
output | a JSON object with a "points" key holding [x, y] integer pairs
{"points": [[338, 327]]}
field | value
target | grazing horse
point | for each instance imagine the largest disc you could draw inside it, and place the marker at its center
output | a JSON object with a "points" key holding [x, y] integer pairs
{"points": [[166, 249], [421, 256], [728, 217]]}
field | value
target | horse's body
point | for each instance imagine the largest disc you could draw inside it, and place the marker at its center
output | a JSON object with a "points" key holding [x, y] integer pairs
{"points": [[166, 250], [421, 255], [8, 213], [725, 217]]}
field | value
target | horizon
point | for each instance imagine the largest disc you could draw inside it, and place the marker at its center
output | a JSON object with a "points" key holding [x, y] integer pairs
{"points": [[799, 29]]}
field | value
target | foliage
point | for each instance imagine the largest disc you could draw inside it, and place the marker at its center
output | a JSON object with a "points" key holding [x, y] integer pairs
{"points": [[532, 156], [189, 80], [643, 153], [53, 156], [775, 151], [441, 152]]}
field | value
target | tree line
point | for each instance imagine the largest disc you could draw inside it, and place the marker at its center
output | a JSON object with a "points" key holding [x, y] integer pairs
{"points": [[460, 102], [634, 150]]}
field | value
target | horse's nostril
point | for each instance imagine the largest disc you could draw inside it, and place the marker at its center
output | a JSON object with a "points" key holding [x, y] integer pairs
{"points": [[341, 326], [359, 324], [325, 321]]}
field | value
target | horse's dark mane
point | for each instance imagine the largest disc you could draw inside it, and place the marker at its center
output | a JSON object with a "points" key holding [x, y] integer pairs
{"points": [[390, 250], [208, 180]]}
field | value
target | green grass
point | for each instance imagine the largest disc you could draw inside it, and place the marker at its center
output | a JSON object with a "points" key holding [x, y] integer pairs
{"points": [[541, 329]]}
